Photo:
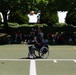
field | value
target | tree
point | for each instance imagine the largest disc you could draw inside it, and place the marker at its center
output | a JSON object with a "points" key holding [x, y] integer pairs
{"points": [[49, 13], [17, 17], [12, 6], [71, 18], [65, 5]]}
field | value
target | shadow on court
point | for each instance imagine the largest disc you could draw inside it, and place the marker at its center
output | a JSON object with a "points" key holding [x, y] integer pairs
{"points": [[31, 58]]}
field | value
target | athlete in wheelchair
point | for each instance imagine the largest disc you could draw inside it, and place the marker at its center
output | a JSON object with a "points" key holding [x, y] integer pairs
{"points": [[40, 49]]}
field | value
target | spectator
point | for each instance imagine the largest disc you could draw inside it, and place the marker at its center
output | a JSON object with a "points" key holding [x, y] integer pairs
{"points": [[26, 38], [60, 38], [18, 37]]}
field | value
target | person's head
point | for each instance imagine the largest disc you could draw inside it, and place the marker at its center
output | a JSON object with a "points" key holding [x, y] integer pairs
{"points": [[32, 12]]}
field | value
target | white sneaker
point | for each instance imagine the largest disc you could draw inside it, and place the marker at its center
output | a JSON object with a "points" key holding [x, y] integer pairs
{"points": [[30, 56]]}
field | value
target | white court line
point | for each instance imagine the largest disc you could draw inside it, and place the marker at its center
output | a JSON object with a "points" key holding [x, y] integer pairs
{"points": [[14, 60], [32, 67], [55, 59], [37, 59]]}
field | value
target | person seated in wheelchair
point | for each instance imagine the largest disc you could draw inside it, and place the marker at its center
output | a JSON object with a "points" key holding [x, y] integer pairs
{"points": [[38, 43]]}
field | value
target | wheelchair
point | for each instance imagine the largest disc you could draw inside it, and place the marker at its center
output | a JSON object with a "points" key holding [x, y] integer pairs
{"points": [[43, 52]]}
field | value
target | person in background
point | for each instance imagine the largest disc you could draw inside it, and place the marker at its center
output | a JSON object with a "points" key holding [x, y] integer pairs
{"points": [[33, 18], [18, 36]]}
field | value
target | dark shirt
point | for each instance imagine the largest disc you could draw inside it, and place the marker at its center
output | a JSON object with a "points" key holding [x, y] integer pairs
{"points": [[39, 41]]}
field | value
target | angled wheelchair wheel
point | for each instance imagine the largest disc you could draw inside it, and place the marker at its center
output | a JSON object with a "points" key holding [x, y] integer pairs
{"points": [[44, 52], [36, 54]]}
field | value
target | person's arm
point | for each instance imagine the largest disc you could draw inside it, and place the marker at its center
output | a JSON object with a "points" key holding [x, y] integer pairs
{"points": [[38, 14], [39, 29], [35, 39]]}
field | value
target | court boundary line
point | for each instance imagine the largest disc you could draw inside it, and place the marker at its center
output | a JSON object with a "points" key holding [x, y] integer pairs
{"points": [[38, 59], [56, 60]]}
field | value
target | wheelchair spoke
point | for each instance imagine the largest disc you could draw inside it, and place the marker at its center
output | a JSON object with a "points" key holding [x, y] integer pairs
{"points": [[44, 52]]}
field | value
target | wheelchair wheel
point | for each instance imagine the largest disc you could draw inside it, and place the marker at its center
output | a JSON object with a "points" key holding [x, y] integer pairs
{"points": [[36, 53], [44, 52]]}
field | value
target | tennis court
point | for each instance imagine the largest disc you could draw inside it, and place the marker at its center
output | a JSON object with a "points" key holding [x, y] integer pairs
{"points": [[21, 51], [14, 68], [37, 67], [59, 68], [61, 61]]}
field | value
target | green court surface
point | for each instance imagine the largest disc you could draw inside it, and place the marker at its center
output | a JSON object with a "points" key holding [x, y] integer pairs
{"points": [[62, 52], [60, 68], [13, 51], [14, 68], [21, 51], [22, 67], [61, 61]]}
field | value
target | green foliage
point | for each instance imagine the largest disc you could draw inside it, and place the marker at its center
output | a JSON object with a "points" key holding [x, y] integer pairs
{"points": [[48, 14], [71, 18], [48, 9], [49, 18], [16, 25], [51, 6], [26, 19], [41, 5], [25, 28], [61, 5], [60, 24], [18, 18], [24, 7], [13, 6]]}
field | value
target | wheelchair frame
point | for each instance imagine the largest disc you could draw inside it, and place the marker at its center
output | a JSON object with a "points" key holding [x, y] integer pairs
{"points": [[42, 53]]}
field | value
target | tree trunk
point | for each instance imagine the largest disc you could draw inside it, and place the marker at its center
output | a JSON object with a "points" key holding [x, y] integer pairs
{"points": [[5, 21]]}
